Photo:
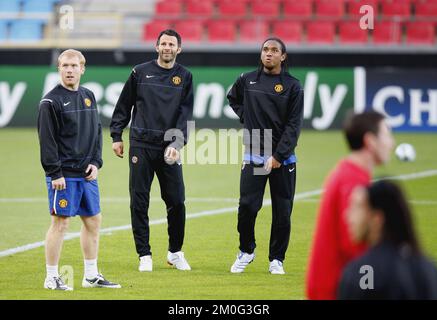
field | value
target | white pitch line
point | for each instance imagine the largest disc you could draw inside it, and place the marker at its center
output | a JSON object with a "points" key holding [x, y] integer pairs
{"points": [[117, 200], [299, 196]]}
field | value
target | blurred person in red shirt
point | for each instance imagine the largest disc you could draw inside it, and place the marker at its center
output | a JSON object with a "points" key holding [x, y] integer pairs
{"points": [[370, 140]]}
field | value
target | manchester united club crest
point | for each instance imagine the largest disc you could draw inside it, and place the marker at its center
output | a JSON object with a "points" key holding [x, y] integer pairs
{"points": [[176, 80], [279, 88], [63, 203], [134, 159], [87, 102]]}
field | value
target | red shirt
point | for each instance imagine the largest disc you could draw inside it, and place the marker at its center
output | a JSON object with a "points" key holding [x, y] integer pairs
{"points": [[332, 246]]}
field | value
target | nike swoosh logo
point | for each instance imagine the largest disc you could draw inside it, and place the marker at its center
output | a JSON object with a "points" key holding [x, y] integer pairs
{"points": [[147, 76], [252, 82], [291, 170], [66, 104]]}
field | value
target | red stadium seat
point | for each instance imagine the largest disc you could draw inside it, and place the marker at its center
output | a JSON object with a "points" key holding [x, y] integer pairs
{"points": [[387, 32], [168, 9], [426, 10], [199, 9], [152, 29], [420, 33], [333, 9], [355, 5], [351, 33], [221, 31], [254, 31], [266, 9], [288, 31], [396, 8], [232, 9], [298, 9], [190, 30], [320, 32]]}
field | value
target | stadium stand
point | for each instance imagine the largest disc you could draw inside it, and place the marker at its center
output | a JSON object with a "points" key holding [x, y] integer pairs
{"points": [[320, 32], [303, 23], [387, 33]]}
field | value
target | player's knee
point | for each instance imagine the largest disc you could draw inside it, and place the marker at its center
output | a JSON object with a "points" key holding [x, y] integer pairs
{"points": [[177, 205], [92, 224], [60, 224], [249, 207]]}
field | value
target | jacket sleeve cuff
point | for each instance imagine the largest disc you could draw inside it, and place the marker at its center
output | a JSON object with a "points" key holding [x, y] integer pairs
{"points": [[98, 164], [116, 137], [278, 157], [56, 175], [177, 145]]}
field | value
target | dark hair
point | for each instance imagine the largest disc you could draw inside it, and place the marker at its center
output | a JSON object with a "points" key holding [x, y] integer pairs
{"points": [[398, 226], [356, 126], [172, 33], [284, 64]]}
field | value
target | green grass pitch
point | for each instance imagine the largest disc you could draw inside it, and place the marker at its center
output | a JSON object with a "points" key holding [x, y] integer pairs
{"points": [[211, 241]]}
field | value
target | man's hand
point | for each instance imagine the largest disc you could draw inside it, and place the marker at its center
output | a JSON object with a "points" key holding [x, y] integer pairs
{"points": [[271, 163], [118, 148], [59, 184], [92, 172], [171, 155]]}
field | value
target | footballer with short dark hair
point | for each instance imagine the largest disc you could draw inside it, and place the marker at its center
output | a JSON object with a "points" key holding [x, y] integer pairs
{"points": [[158, 97]]}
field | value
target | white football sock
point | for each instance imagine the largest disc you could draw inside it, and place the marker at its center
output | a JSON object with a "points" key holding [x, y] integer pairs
{"points": [[52, 271], [90, 268]]}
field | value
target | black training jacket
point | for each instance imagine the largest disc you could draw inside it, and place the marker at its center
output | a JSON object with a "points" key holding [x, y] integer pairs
{"points": [[264, 101], [157, 99], [70, 132]]}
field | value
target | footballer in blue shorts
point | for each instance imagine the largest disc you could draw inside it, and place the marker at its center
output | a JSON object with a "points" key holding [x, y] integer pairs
{"points": [[70, 136]]}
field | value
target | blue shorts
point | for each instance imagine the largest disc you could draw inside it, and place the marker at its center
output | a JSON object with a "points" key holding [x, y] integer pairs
{"points": [[80, 198]]}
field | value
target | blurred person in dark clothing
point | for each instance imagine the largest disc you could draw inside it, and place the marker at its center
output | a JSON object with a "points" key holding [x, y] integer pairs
{"points": [[396, 267]]}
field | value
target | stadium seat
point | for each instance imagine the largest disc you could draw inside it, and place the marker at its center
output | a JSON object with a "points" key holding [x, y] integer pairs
{"points": [[332, 9], [426, 10], [3, 30], [387, 32], [265, 9], [199, 9], [152, 29], [320, 32], [288, 31], [190, 30], [232, 9], [12, 6], [298, 9], [221, 31], [169, 9], [420, 33], [396, 8], [351, 33], [38, 5], [26, 30], [355, 5], [254, 31]]}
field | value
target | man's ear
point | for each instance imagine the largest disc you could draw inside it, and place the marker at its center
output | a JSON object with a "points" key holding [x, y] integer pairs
{"points": [[157, 48], [179, 50], [82, 70], [283, 57], [369, 140]]}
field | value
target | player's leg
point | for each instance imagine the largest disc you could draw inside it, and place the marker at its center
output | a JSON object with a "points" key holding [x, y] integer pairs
{"points": [[140, 180], [252, 188], [282, 188], [89, 211], [60, 209], [173, 194], [53, 246], [89, 241]]}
